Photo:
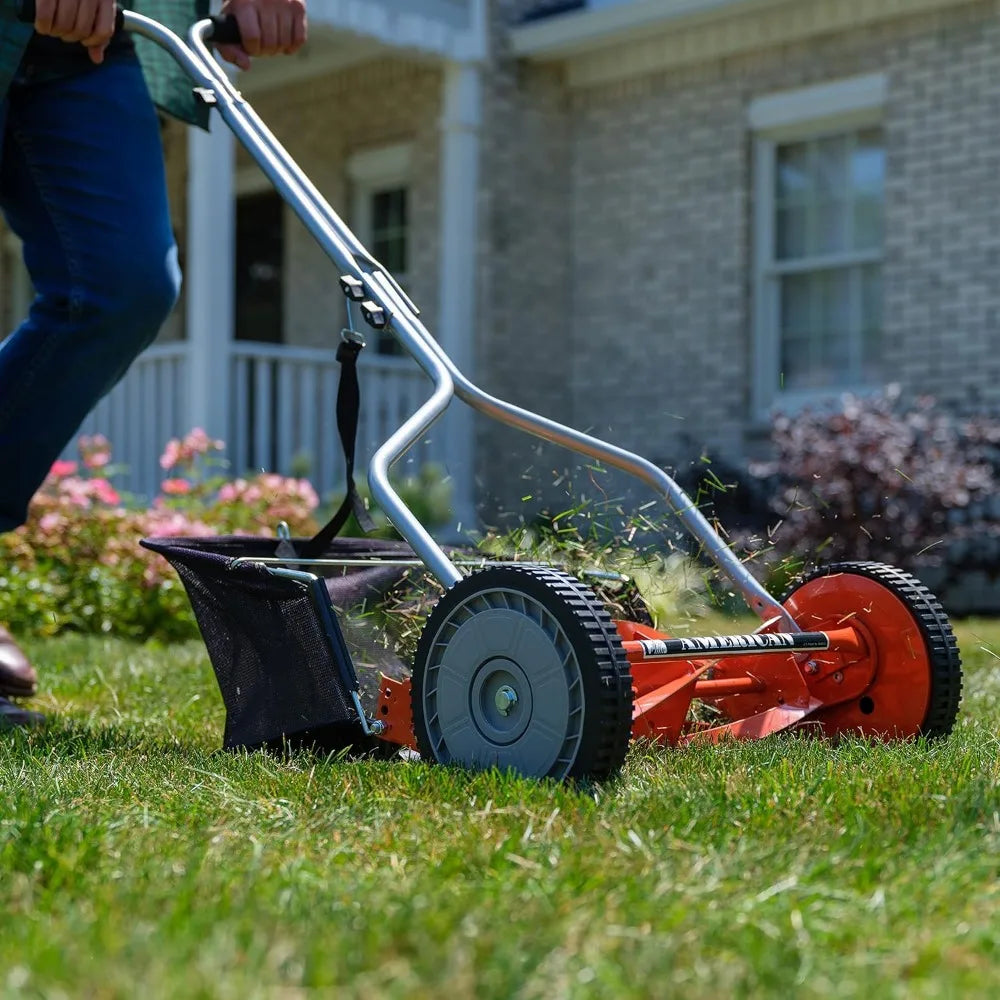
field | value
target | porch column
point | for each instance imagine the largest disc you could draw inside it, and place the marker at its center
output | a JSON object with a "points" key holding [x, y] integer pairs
{"points": [[460, 143], [208, 275]]}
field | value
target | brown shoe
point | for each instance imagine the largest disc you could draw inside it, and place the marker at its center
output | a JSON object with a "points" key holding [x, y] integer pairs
{"points": [[14, 717], [17, 675]]}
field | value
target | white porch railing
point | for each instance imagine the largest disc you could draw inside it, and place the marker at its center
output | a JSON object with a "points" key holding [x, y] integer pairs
{"points": [[140, 415], [282, 413]]}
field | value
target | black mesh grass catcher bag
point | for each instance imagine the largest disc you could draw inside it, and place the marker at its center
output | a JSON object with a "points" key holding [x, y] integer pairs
{"points": [[275, 643]]}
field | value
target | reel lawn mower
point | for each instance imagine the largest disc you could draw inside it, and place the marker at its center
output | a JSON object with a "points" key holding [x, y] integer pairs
{"points": [[521, 666]]}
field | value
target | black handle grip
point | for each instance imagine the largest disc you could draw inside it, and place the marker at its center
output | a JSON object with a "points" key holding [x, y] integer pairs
{"points": [[225, 30]]}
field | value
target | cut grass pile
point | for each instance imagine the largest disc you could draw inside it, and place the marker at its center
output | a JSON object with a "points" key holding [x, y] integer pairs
{"points": [[137, 859]]}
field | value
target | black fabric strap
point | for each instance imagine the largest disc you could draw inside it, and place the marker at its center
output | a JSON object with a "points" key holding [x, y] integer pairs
{"points": [[348, 408]]}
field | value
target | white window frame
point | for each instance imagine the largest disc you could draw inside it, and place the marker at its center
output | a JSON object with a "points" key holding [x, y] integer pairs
{"points": [[797, 116], [373, 170]]}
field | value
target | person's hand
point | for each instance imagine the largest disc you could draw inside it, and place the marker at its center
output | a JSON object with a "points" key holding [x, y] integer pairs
{"points": [[267, 27], [90, 22]]}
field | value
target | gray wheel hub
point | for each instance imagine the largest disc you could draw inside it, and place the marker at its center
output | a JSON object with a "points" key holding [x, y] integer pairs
{"points": [[500, 700], [503, 687]]}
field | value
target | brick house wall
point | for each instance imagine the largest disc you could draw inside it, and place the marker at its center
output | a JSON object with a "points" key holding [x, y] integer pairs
{"points": [[654, 348], [526, 336]]}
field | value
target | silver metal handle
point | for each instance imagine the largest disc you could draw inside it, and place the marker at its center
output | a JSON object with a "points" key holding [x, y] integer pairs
{"points": [[344, 248]]}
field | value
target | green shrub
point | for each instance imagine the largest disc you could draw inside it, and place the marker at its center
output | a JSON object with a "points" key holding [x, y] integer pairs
{"points": [[77, 565]]}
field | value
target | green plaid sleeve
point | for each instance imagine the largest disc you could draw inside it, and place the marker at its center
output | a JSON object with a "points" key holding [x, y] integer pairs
{"points": [[13, 39], [168, 84]]}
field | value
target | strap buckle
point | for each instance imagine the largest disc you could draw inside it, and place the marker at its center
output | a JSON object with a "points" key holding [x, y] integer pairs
{"points": [[349, 336], [352, 343]]}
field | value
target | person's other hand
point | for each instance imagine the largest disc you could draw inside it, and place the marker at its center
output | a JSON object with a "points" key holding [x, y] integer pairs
{"points": [[267, 27], [90, 22]]}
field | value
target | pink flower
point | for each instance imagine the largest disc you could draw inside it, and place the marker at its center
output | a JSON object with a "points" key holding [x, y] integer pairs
{"points": [[199, 443], [51, 522], [97, 459], [105, 492], [308, 494], [171, 454], [231, 491], [62, 468], [197, 439], [175, 487], [75, 491]]}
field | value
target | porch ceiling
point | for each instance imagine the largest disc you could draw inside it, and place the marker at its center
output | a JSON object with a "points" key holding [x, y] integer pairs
{"points": [[328, 50], [343, 33]]}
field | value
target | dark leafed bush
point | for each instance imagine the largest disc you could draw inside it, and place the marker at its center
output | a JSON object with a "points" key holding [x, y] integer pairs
{"points": [[912, 485]]}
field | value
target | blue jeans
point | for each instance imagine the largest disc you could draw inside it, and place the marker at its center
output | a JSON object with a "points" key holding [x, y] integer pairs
{"points": [[82, 184]]}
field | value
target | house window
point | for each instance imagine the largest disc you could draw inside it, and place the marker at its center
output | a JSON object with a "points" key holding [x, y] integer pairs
{"points": [[388, 229], [260, 253], [380, 216], [819, 220]]}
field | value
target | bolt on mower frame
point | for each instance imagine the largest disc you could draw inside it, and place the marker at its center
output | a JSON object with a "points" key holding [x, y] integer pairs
{"points": [[521, 666]]}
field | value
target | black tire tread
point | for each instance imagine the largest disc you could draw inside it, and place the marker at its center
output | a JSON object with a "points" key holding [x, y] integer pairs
{"points": [[942, 646], [600, 757]]}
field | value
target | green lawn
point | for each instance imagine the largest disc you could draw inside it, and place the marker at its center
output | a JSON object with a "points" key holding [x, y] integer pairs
{"points": [[138, 860]]}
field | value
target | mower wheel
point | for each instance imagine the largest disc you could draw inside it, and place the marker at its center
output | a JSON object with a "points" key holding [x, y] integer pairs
{"points": [[918, 675], [521, 668]]}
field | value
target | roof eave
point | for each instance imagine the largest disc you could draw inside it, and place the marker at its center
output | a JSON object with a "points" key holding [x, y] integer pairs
{"points": [[579, 31]]}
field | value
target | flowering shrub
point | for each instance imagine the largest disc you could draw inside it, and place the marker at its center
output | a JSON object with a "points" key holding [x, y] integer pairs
{"points": [[877, 480], [76, 563], [196, 488], [250, 506]]}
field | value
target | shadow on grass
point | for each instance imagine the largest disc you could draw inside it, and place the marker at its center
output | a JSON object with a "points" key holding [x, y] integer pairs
{"points": [[70, 738]]}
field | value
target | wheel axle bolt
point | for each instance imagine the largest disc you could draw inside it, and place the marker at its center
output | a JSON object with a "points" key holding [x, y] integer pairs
{"points": [[812, 667], [505, 699]]}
